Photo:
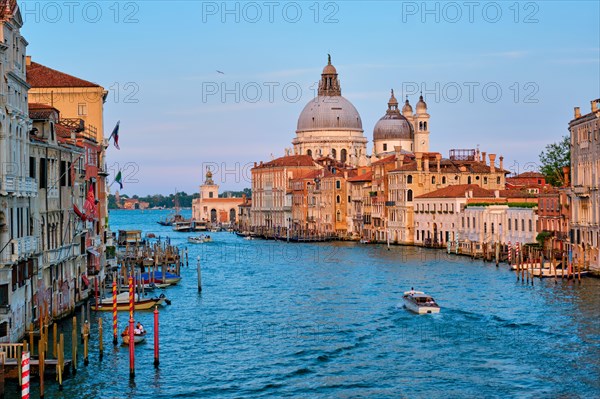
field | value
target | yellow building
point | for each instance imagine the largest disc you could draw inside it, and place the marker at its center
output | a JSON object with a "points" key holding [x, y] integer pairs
{"points": [[76, 99]]}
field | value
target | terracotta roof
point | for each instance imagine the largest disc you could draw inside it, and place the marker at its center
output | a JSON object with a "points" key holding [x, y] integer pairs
{"points": [[382, 161], [459, 190], [311, 174], [39, 75], [42, 113], [290, 160], [528, 175], [364, 177], [517, 194], [449, 166]]}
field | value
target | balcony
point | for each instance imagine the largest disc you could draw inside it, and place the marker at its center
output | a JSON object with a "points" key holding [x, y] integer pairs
{"points": [[58, 255], [581, 191], [21, 186], [19, 249]]}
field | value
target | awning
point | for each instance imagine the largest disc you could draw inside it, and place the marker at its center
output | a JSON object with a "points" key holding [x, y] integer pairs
{"points": [[93, 251]]}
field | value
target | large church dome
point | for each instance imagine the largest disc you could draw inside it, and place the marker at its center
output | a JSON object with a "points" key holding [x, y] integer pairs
{"points": [[329, 110], [329, 113], [393, 125]]}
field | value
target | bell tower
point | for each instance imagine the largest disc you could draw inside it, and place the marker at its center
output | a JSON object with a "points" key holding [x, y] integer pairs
{"points": [[209, 189], [421, 124]]}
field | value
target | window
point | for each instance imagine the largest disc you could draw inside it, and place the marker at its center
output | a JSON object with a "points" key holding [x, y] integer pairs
{"points": [[82, 109], [432, 179], [210, 194], [443, 179], [333, 153], [516, 225], [530, 225], [469, 180], [338, 199], [498, 180], [409, 196], [63, 173], [4, 329], [509, 224], [309, 153], [409, 179], [384, 146], [43, 173], [485, 180], [463, 222], [4, 295], [473, 221], [338, 184], [484, 228], [522, 224], [343, 155], [32, 170]]}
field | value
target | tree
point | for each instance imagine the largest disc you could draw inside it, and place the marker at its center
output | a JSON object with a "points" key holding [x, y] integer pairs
{"points": [[553, 159]]}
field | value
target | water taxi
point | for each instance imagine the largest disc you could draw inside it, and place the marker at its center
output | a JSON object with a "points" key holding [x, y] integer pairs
{"points": [[106, 304], [420, 303], [199, 240]]}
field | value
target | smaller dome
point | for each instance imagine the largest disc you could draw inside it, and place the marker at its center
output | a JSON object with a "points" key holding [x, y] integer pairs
{"points": [[407, 108], [393, 125], [421, 106], [393, 100]]}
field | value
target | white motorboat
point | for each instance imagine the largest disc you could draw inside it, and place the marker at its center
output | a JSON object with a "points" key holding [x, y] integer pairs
{"points": [[199, 240], [420, 303]]}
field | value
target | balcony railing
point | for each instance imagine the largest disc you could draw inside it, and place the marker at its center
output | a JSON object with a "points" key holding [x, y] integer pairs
{"points": [[18, 249], [58, 255], [21, 186]]}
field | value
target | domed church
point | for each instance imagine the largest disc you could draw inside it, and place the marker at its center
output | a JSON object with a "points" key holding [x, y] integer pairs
{"points": [[330, 126], [408, 130]]}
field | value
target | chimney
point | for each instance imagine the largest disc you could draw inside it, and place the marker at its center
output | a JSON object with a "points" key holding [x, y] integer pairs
{"points": [[501, 162], [577, 113], [483, 153], [419, 156], [492, 163], [399, 156], [438, 159], [594, 105], [566, 175], [28, 60]]}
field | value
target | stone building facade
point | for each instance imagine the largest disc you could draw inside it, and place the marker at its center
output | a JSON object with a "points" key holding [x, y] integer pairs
{"points": [[585, 196]]}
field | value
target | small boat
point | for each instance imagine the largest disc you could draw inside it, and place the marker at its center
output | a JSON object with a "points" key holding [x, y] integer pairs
{"points": [[420, 303], [137, 338], [365, 241], [106, 304], [183, 227], [199, 240], [248, 238], [170, 279]]}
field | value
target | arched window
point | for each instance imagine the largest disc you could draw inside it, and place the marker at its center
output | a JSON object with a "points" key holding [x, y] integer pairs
{"points": [[420, 125], [309, 153], [424, 125], [232, 215], [498, 180], [409, 196], [338, 216], [409, 179], [343, 155], [432, 179], [338, 184], [333, 153], [338, 199]]}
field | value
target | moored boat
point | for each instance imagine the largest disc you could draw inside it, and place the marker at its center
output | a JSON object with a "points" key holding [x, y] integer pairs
{"points": [[199, 240], [420, 303], [138, 337], [106, 304]]}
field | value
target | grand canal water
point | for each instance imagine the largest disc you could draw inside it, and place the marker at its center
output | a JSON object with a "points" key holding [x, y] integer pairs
{"points": [[322, 321]]}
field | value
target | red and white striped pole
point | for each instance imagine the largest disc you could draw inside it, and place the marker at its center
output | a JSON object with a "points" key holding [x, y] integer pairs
{"points": [[131, 349], [96, 291], [131, 297], [509, 253], [114, 294], [25, 375], [156, 347]]}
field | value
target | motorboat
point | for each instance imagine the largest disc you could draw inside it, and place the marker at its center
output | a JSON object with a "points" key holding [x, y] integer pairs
{"points": [[199, 240], [420, 303], [157, 278]]}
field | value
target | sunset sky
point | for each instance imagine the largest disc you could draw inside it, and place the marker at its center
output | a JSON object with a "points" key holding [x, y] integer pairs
{"points": [[193, 83]]}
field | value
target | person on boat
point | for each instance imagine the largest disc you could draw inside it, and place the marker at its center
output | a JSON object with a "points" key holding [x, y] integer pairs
{"points": [[125, 332], [140, 328]]}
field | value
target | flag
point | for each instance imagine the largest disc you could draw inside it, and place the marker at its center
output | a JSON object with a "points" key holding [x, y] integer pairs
{"points": [[115, 135], [79, 213], [90, 204], [119, 179]]}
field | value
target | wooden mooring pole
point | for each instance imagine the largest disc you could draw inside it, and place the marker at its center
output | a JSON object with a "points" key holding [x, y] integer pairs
{"points": [[156, 339]]}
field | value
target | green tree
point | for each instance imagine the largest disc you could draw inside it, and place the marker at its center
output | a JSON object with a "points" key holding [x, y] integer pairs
{"points": [[553, 159]]}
